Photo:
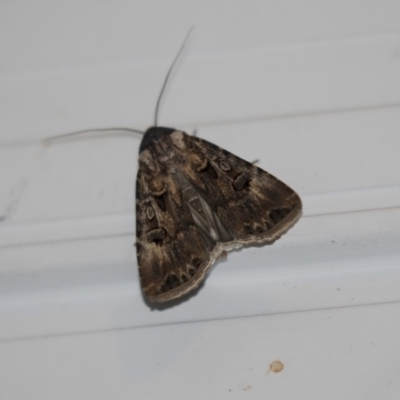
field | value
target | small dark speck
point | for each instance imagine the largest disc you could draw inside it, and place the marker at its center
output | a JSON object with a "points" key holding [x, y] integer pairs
{"points": [[333, 241], [338, 289], [2, 218]]}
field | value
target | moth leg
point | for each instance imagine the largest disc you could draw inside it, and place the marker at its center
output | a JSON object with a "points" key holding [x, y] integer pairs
{"points": [[194, 132], [256, 161]]}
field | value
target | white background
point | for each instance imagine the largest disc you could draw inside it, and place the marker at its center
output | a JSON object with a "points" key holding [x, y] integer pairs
{"points": [[310, 88]]}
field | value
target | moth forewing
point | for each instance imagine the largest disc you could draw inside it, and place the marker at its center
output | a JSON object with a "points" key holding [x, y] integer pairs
{"points": [[196, 200]]}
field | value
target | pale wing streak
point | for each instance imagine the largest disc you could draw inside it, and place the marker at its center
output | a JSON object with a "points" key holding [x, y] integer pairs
{"points": [[208, 222], [204, 217]]}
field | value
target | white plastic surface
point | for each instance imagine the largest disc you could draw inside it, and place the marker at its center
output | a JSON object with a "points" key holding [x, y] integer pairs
{"points": [[312, 91]]}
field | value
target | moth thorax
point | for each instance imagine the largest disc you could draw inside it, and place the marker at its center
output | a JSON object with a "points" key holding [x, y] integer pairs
{"points": [[177, 139]]}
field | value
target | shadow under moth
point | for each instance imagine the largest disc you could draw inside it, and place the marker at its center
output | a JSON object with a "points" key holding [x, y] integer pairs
{"points": [[194, 202]]}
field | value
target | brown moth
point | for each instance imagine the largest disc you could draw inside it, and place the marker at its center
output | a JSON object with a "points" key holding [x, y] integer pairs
{"points": [[195, 201]]}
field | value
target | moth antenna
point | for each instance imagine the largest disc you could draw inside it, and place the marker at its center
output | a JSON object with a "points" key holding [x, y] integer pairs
{"points": [[169, 73], [52, 139], [100, 130]]}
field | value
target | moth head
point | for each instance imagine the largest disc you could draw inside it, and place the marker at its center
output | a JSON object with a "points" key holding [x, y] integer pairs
{"points": [[152, 135]]}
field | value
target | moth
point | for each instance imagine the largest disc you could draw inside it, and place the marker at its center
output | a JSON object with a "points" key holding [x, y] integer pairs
{"points": [[196, 201]]}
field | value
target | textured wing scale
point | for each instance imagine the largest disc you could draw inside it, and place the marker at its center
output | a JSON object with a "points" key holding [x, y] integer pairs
{"points": [[174, 253], [252, 204], [195, 200]]}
